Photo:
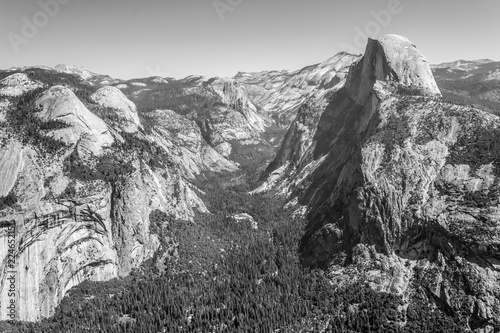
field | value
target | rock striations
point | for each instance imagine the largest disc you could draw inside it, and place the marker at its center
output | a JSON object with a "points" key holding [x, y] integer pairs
{"points": [[401, 188], [84, 175]]}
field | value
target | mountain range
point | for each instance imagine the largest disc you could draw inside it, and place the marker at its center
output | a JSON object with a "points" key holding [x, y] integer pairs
{"points": [[392, 164]]}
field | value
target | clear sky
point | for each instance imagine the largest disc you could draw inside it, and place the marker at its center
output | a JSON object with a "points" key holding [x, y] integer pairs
{"points": [[139, 38]]}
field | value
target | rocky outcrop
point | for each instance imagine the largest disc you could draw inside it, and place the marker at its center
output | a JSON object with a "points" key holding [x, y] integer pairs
{"points": [[233, 117], [391, 58], [125, 110], [235, 96], [183, 138], [10, 164], [89, 131], [17, 84], [401, 188], [76, 70], [60, 241], [220, 107], [132, 201]]}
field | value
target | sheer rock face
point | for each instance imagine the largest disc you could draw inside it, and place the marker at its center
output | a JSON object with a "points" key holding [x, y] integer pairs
{"points": [[235, 118], [184, 139], [59, 242], [401, 188], [126, 111], [69, 230], [134, 199], [391, 58], [10, 164], [236, 95]]}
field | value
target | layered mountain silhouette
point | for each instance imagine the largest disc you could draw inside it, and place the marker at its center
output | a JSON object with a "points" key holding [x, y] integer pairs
{"points": [[393, 163]]}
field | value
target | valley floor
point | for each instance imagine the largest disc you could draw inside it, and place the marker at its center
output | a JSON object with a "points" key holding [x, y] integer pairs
{"points": [[224, 274]]}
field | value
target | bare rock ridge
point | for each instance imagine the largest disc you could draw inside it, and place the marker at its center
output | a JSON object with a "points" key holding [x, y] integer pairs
{"points": [[465, 65], [60, 104], [113, 98], [282, 93], [86, 75], [400, 188], [80, 71], [391, 58]]}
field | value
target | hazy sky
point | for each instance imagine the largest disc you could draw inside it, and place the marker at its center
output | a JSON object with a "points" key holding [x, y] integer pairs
{"points": [[125, 38]]}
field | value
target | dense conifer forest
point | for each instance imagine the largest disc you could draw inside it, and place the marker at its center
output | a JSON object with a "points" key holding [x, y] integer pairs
{"points": [[216, 273], [228, 276]]}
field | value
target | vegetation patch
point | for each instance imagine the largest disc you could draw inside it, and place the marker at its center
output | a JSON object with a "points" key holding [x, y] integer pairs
{"points": [[108, 167], [404, 90], [29, 128], [476, 147], [52, 78], [255, 285], [470, 91], [8, 201]]}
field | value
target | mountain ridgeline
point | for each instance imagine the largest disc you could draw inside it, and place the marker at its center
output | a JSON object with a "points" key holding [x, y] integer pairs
{"points": [[400, 187], [358, 194]]}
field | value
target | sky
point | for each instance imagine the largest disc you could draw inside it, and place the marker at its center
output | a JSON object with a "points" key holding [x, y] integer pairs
{"points": [[177, 38]]}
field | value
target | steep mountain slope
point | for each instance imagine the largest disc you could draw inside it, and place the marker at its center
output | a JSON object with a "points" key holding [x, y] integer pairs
{"points": [[81, 175], [112, 98], [470, 83], [401, 188], [282, 93], [241, 118], [99, 177], [227, 118]]}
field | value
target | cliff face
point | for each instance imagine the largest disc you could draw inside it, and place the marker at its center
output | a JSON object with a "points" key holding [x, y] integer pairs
{"points": [[281, 94], [219, 107], [401, 188], [234, 118], [79, 179], [125, 111], [60, 241]]}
